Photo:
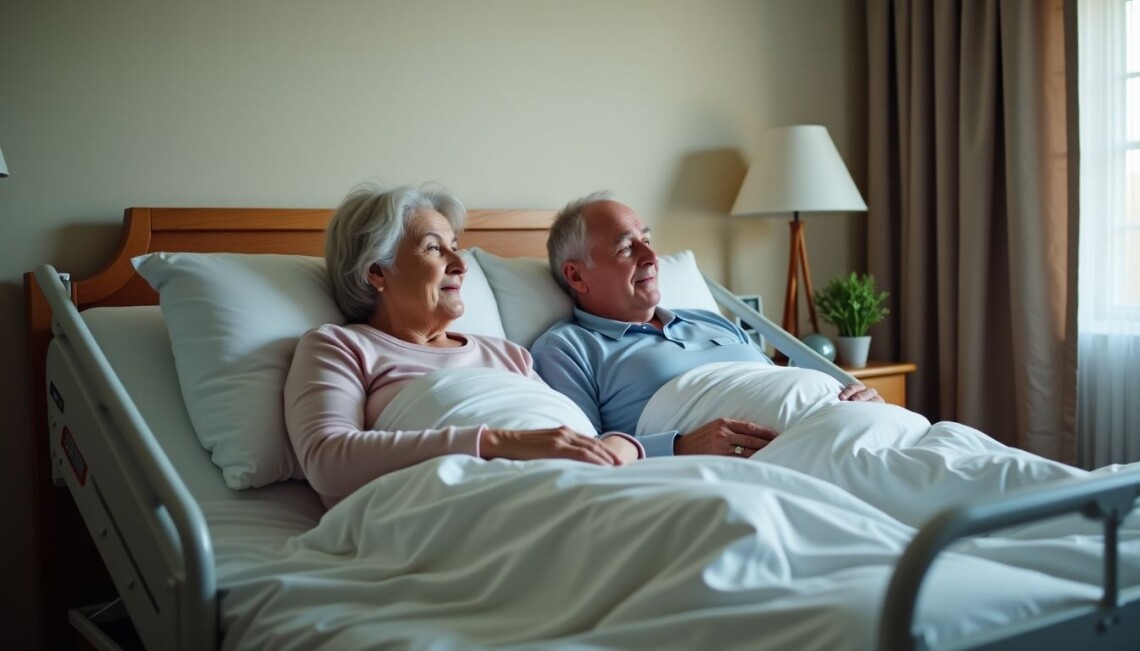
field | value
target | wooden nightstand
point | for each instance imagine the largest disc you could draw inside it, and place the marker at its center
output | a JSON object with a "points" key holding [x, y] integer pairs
{"points": [[888, 378]]}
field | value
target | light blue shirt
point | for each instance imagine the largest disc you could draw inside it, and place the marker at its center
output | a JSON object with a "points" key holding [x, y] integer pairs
{"points": [[612, 368]]}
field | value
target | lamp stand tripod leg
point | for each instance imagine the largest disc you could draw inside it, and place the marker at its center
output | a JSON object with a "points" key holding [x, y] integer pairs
{"points": [[790, 307], [809, 294]]}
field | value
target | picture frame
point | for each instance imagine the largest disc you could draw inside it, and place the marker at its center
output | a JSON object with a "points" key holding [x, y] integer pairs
{"points": [[755, 302]]}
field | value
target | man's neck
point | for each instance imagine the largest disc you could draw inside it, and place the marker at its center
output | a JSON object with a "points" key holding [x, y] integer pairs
{"points": [[640, 317]]}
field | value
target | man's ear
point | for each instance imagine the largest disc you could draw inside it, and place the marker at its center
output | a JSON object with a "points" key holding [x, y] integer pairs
{"points": [[376, 277], [572, 272]]}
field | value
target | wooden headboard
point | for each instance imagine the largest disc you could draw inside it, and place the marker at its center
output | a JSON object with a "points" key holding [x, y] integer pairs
{"points": [[508, 233]]}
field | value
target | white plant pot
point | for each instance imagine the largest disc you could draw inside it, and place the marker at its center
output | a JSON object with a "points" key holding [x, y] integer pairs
{"points": [[853, 351]]}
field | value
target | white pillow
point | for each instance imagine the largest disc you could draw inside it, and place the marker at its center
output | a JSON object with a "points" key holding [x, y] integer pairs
{"points": [[682, 285], [530, 301], [480, 311], [234, 321]]}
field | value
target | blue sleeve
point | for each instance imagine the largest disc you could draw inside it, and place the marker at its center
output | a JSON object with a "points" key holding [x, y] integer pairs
{"points": [[565, 371], [659, 445], [569, 374]]}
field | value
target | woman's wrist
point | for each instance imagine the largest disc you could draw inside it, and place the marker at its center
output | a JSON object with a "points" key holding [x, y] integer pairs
{"points": [[633, 442], [621, 444], [489, 442]]}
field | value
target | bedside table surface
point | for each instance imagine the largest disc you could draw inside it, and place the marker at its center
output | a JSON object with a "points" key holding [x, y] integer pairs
{"points": [[875, 369]]}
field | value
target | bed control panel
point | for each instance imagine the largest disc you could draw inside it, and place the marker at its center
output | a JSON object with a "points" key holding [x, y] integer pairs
{"points": [[74, 456]]}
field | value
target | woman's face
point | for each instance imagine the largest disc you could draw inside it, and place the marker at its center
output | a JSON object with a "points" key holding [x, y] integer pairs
{"points": [[422, 288]]}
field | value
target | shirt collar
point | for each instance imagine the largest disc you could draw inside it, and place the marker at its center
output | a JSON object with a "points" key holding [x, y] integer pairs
{"points": [[616, 329]]}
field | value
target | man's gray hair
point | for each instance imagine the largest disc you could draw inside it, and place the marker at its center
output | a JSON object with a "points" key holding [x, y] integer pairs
{"points": [[567, 239], [367, 228]]}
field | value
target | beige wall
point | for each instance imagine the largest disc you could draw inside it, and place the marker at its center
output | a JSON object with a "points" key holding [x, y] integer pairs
{"points": [[509, 103]]}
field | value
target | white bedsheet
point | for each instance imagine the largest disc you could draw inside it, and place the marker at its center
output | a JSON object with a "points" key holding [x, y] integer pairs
{"points": [[664, 553]]}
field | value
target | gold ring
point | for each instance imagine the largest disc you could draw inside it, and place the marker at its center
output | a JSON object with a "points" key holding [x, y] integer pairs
{"points": [[739, 450]]}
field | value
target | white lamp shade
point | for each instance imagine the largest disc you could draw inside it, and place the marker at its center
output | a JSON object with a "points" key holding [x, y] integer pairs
{"points": [[3, 166], [797, 169]]}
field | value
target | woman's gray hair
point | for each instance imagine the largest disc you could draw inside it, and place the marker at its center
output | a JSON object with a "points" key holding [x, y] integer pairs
{"points": [[367, 228], [567, 239]]}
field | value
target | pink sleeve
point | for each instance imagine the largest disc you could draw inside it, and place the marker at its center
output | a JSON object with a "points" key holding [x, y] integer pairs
{"points": [[324, 414]]}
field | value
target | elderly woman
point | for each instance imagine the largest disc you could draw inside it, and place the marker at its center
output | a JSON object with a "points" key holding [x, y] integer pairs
{"points": [[396, 274]]}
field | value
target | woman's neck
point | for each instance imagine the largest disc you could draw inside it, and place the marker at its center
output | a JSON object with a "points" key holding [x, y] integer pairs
{"points": [[421, 334]]}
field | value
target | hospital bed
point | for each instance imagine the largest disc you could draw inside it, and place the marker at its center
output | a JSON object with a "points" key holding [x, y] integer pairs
{"points": [[110, 425]]}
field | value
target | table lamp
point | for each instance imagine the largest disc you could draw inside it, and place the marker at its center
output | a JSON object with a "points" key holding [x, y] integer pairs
{"points": [[797, 169]]}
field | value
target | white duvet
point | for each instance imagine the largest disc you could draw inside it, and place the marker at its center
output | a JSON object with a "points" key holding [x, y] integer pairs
{"points": [[673, 553], [884, 454], [468, 396], [891, 458]]}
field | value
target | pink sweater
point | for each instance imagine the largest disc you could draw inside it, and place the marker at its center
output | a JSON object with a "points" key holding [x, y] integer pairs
{"points": [[342, 377]]}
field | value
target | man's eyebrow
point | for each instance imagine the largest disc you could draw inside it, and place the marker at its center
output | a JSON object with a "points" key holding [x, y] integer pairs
{"points": [[628, 234]]}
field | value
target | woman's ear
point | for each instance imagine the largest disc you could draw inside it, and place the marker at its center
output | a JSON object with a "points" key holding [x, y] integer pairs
{"points": [[572, 272], [376, 277]]}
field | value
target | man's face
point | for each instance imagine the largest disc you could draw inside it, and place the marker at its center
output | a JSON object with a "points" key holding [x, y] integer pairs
{"points": [[621, 280]]}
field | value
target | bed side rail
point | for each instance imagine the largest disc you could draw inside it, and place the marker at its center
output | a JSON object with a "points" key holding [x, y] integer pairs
{"points": [[784, 342], [1109, 498], [149, 474]]}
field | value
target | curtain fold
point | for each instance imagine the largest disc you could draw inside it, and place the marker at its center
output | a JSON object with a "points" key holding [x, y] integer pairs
{"points": [[968, 220]]}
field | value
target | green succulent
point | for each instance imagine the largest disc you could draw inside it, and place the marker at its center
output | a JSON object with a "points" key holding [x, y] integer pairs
{"points": [[852, 304]]}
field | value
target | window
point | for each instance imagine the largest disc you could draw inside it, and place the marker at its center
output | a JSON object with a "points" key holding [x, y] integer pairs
{"points": [[1109, 80], [1129, 225], [1108, 317]]}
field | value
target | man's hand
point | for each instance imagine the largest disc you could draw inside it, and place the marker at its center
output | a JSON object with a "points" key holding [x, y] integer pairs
{"points": [[625, 450], [724, 436], [859, 393]]}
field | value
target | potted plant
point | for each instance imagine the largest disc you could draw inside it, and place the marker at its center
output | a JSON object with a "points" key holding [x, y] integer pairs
{"points": [[852, 304]]}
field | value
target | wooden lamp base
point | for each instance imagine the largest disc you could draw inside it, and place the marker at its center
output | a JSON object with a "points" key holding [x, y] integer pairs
{"points": [[798, 263]]}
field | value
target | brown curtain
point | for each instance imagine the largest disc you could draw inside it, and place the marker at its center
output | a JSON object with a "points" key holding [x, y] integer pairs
{"points": [[968, 221]]}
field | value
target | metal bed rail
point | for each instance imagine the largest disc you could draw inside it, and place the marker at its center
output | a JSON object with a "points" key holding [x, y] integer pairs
{"points": [[796, 350], [187, 552], [1105, 624]]}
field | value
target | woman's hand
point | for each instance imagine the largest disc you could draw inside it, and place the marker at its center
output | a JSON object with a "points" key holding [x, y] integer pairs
{"points": [[555, 443], [626, 451], [859, 393]]}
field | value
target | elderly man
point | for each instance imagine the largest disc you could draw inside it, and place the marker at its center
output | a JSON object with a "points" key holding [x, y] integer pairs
{"points": [[620, 347]]}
